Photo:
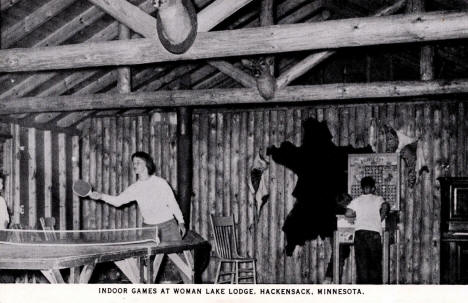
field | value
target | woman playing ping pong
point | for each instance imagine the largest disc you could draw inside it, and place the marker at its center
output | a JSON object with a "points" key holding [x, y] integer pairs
{"points": [[155, 199]]}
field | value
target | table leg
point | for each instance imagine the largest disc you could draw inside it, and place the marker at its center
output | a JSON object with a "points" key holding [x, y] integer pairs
{"points": [[130, 269], [72, 278], [146, 270], [53, 275], [185, 269], [86, 273], [156, 265]]}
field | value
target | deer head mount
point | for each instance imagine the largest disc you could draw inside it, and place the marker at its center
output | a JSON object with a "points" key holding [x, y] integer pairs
{"points": [[260, 68]]}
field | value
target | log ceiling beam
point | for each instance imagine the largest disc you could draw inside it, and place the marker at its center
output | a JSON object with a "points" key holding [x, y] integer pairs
{"points": [[145, 25], [265, 40], [313, 60], [216, 97]]}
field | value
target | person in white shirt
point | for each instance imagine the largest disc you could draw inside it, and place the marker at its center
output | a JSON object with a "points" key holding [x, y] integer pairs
{"points": [[369, 210], [4, 215], [155, 199]]}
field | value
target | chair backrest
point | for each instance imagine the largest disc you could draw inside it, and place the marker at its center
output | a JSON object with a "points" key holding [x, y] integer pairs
{"points": [[225, 236], [48, 224]]}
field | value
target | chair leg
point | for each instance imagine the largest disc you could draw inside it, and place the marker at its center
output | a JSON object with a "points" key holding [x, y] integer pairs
{"points": [[254, 272], [232, 268], [237, 272], [218, 270]]}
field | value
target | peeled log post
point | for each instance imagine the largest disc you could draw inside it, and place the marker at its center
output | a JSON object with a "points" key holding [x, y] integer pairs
{"points": [[424, 211], [436, 159], [418, 232], [124, 83], [184, 161], [265, 82]]}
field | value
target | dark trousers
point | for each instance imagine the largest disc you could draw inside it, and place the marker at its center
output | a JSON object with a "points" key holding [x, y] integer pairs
{"points": [[368, 249]]}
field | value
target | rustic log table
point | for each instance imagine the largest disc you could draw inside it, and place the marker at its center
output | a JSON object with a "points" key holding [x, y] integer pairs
{"points": [[138, 261]]}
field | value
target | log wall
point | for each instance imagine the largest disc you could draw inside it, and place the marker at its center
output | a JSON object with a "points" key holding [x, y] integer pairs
{"points": [[225, 142], [40, 166], [107, 146]]}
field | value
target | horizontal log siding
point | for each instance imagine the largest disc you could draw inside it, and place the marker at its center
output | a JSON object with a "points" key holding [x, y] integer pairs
{"points": [[225, 142], [40, 166]]}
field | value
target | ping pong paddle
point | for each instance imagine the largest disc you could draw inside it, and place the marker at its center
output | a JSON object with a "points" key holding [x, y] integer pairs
{"points": [[81, 188]]}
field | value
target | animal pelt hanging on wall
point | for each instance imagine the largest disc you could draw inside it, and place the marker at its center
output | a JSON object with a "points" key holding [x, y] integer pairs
{"points": [[258, 183], [321, 169], [410, 149]]}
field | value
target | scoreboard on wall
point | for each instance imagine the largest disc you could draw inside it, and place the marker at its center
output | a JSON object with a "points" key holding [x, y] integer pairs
{"points": [[384, 168]]}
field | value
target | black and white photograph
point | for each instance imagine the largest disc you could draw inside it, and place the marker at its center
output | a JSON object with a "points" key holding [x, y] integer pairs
{"points": [[234, 149]]}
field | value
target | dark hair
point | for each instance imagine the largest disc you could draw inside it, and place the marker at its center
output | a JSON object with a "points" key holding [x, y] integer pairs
{"points": [[367, 182], [148, 160]]}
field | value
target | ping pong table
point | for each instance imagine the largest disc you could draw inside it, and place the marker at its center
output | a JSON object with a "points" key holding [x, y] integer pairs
{"points": [[140, 262]]}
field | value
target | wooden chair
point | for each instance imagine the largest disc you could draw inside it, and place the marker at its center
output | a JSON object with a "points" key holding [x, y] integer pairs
{"points": [[229, 259], [47, 225]]}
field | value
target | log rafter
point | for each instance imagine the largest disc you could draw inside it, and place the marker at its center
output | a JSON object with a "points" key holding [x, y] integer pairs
{"points": [[28, 24]]}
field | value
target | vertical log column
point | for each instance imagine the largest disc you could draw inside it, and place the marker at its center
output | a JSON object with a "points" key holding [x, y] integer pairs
{"points": [[266, 19], [423, 206], [184, 161], [124, 83]]}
